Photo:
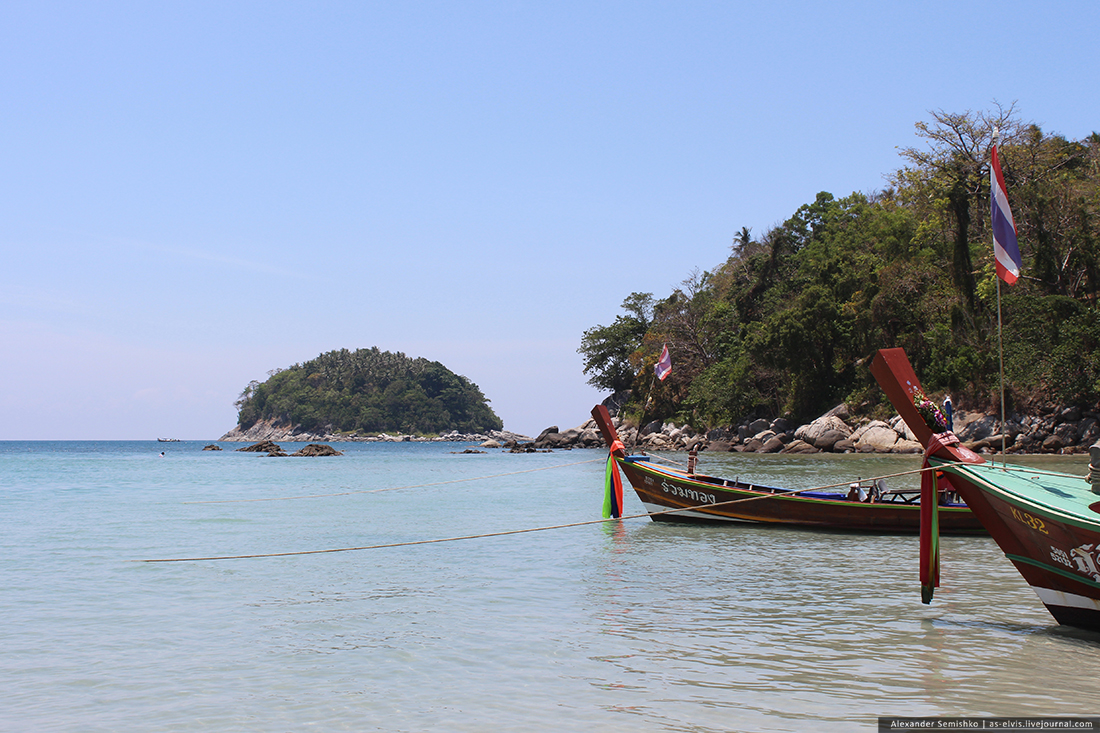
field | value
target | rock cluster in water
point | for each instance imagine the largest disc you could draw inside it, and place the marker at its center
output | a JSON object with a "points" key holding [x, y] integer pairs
{"points": [[273, 450], [1069, 430]]}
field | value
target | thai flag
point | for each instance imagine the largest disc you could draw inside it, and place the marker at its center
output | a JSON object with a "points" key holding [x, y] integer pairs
{"points": [[1005, 249], [664, 364]]}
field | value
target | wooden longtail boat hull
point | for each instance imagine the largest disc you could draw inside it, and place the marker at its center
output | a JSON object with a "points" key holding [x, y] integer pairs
{"points": [[1036, 518], [1047, 524], [670, 494]]}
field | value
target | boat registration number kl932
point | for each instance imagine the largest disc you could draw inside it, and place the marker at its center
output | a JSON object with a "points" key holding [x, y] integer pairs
{"points": [[1033, 522]]}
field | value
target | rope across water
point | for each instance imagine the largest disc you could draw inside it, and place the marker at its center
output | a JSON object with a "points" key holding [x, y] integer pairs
{"points": [[501, 533]]}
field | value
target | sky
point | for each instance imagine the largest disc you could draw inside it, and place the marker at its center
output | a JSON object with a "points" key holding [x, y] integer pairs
{"points": [[195, 194]]}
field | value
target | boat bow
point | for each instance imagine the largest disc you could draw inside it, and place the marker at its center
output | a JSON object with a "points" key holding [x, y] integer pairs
{"points": [[1047, 524]]}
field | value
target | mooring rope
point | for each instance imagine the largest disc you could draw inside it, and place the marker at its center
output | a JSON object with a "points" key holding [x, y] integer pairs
{"points": [[519, 531], [393, 488], [396, 544]]}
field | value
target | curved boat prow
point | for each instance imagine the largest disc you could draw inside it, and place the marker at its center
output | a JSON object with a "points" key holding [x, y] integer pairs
{"points": [[1046, 523], [894, 373], [608, 431]]}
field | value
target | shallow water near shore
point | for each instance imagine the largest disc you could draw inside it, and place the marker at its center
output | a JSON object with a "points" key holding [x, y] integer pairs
{"points": [[626, 626]]}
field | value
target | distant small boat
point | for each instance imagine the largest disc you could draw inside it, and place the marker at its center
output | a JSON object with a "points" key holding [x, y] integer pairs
{"points": [[168, 440], [1046, 523], [671, 494]]}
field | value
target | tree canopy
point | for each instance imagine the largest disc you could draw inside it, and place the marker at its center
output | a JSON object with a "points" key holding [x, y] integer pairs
{"points": [[788, 323], [368, 391]]}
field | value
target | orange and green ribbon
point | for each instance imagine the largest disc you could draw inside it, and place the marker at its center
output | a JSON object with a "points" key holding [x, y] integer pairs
{"points": [[613, 490]]}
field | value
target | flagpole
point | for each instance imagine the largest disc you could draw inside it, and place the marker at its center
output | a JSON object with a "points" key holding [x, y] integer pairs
{"points": [[1000, 336], [1006, 256], [1001, 350], [648, 399]]}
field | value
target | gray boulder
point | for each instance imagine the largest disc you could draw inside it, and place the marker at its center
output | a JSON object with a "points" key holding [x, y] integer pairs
{"points": [[1067, 433], [877, 437], [548, 431], [758, 426], [590, 438], [719, 434], [814, 431], [847, 445], [799, 447], [1071, 414], [992, 444], [828, 440], [902, 429], [1089, 430], [264, 446], [657, 441], [773, 444], [978, 429], [317, 449]]}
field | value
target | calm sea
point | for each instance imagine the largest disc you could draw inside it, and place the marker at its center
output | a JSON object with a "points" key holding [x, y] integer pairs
{"points": [[630, 626]]}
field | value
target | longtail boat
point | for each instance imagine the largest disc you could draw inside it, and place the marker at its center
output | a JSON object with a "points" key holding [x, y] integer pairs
{"points": [[1046, 523], [672, 494]]}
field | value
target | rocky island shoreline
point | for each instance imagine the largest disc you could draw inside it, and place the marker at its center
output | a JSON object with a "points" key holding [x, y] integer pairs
{"points": [[1053, 431], [270, 430]]}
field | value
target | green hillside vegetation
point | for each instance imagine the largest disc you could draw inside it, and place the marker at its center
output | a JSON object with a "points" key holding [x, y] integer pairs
{"points": [[788, 323], [368, 391]]}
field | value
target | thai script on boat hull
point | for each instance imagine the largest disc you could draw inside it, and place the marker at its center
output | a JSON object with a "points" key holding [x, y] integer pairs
{"points": [[674, 490], [1083, 558]]}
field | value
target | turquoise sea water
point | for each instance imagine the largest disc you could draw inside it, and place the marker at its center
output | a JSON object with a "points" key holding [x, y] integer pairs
{"points": [[630, 626]]}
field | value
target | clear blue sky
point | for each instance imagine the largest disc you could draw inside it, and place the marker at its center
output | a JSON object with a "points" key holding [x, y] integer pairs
{"points": [[195, 193]]}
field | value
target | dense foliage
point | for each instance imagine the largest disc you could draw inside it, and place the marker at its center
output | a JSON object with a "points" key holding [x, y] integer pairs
{"points": [[787, 325], [368, 391]]}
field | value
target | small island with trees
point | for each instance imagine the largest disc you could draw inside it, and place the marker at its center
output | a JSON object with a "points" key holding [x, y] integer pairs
{"points": [[359, 393]]}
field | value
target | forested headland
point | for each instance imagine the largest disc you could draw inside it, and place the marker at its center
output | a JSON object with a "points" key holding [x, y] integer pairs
{"points": [[368, 391], [787, 325]]}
